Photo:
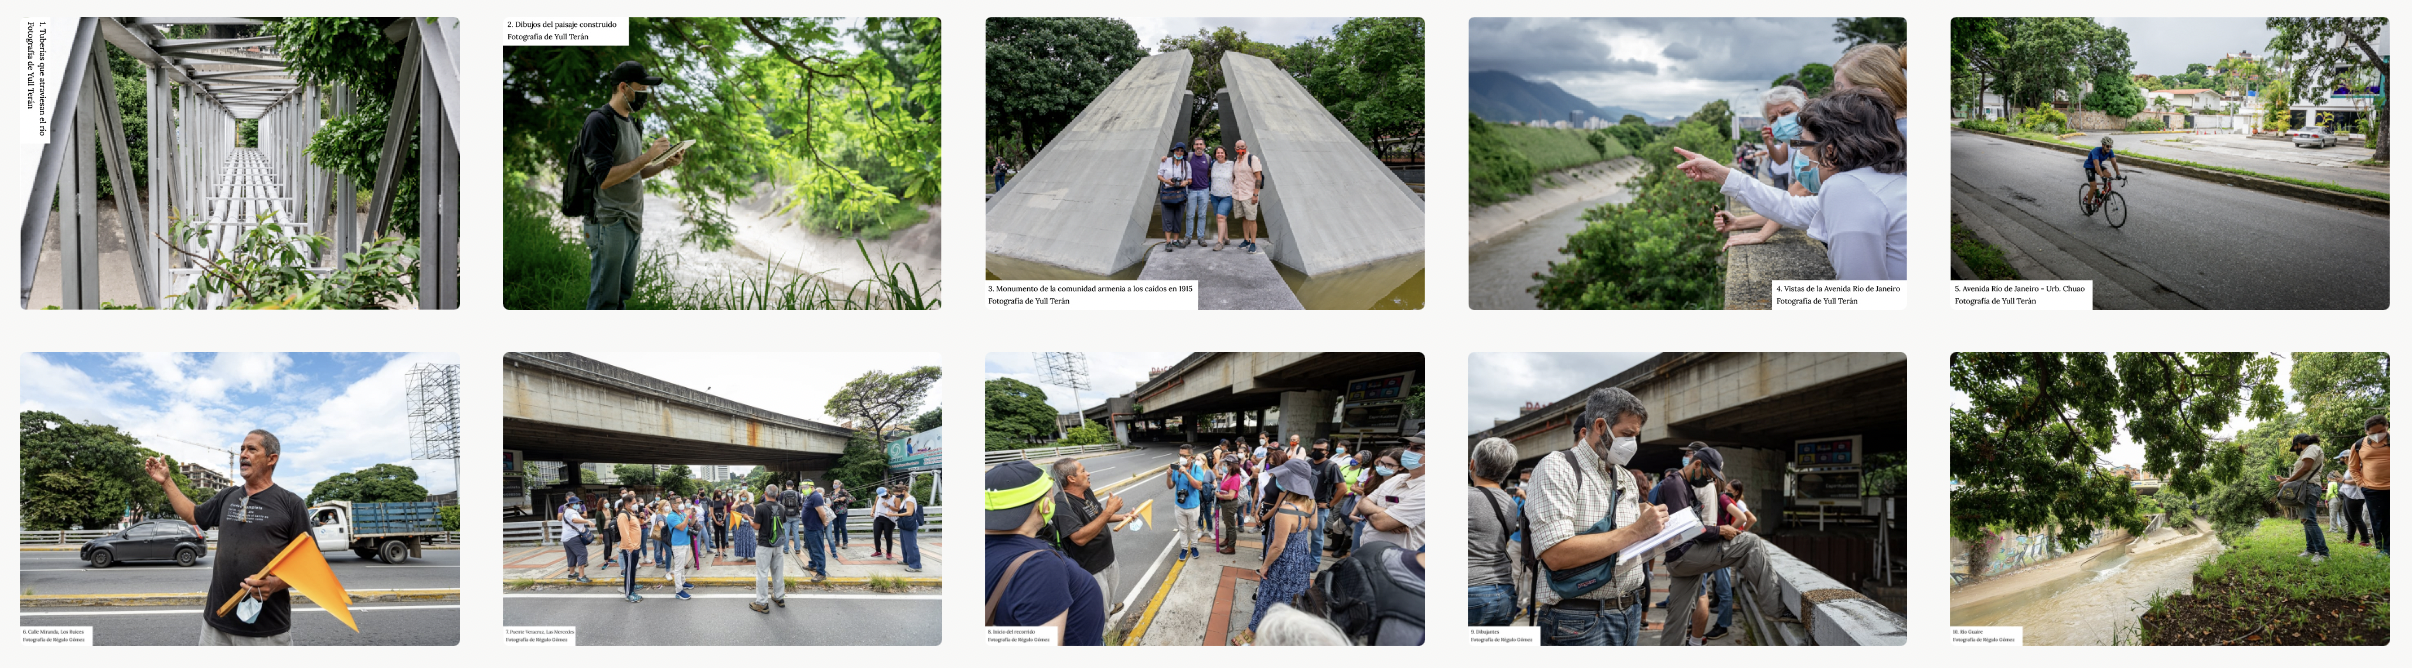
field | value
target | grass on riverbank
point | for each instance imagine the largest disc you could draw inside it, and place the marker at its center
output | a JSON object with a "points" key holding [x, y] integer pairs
{"points": [[1504, 159], [1982, 258], [2259, 593]]}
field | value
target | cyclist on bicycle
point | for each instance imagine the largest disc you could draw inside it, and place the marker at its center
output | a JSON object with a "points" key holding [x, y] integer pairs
{"points": [[2101, 161]]}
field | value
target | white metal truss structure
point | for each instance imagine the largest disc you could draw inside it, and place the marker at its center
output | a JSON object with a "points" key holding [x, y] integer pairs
{"points": [[433, 398], [198, 91], [1068, 370]]}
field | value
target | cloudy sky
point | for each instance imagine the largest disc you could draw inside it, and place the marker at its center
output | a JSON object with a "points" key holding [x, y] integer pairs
{"points": [[2132, 453], [1660, 66], [2162, 46], [333, 413], [1109, 374], [1285, 30], [1498, 384]]}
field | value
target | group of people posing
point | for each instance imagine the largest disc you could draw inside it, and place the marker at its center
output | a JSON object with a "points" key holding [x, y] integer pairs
{"points": [[1194, 185], [676, 532], [1050, 536], [1839, 164], [1542, 543]]}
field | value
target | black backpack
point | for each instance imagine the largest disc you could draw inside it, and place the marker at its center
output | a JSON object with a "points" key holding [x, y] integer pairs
{"points": [[578, 191], [791, 503], [1359, 593]]}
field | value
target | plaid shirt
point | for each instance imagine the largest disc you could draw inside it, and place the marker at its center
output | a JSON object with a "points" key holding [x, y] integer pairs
{"points": [[1552, 505]]}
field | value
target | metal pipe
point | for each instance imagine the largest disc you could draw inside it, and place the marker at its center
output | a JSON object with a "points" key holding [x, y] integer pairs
{"points": [[46, 174]]}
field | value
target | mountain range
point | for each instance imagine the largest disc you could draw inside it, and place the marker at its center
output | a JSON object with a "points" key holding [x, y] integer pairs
{"points": [[1501, 97]]}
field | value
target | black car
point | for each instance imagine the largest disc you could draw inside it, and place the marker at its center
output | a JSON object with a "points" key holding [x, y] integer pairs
{"points": [[149, 540]]}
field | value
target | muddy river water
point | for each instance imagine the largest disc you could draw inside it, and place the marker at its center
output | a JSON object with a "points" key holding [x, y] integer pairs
{"points": [[2097, 602]]}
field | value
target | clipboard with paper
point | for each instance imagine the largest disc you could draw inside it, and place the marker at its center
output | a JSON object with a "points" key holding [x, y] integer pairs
{"points": [[674, 151], [1681, 526]]}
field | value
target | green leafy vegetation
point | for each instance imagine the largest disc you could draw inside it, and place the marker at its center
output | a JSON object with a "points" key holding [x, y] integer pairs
{"points": [[382, 483], [1656, 252], [1088, 433], [2146, 125], [1507, 157], [1017, 414], [1983, 258], [267, 268], [2259, 593], [327, 51], [85, 475], [2026, 449]]}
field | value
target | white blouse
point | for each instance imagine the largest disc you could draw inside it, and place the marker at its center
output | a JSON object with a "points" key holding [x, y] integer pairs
{"points": [[1220, 185]]}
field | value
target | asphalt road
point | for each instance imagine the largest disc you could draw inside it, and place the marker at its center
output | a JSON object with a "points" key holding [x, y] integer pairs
{"points": [[1135, 551], [380, 624], [2276, 158], [2221, 247], [64, 573], [721, 616]]}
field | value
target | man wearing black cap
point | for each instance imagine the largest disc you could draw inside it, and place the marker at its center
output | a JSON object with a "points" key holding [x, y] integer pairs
{"points": [[1689, 564], [1029, 583], [612, 151]]}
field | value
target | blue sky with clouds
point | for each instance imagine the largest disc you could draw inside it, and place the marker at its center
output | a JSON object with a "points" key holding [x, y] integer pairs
{"points": [[333, 413]]}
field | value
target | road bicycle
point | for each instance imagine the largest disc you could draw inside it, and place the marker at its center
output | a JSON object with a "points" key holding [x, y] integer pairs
{"points": [[2112, 205]]}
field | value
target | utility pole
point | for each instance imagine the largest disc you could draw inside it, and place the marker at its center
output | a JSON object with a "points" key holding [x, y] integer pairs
{"points": [[1070, 370]]}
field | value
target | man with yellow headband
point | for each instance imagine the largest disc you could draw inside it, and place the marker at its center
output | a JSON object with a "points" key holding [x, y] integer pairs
{"points": [[1029, 583]]}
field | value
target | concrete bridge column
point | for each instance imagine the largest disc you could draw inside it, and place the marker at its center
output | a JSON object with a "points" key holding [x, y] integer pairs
{"points": [[1189, 429], [573, 474], [1304, 412], [1122, 432]]}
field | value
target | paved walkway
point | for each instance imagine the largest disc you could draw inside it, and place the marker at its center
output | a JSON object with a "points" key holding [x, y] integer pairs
{"points": [[852, 564], [1209, 598]]}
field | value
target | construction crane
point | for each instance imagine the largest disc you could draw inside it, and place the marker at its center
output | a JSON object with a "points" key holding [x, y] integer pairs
{"points": [[232, 455]]}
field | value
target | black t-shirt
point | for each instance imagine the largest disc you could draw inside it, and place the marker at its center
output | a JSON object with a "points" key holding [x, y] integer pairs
{"points": [[251, 531], [766, 521], [1070, 515], [1327, 480], [1048, 585]]}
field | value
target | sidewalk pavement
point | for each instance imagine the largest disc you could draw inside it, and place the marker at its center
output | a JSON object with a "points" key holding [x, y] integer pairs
{"points": [[851, 565], [1207, 599]]}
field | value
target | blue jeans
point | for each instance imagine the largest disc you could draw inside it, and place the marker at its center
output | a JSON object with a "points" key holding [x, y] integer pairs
{"points": [[661, 552], [1491, 605], [2314, 541], [838, 536], [911, 540], [1199, 214], [1571, 628], [1322, 517], [1725, 598], [812, 545], [612, 249]]}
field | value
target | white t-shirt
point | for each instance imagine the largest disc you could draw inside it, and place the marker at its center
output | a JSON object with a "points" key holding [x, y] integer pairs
{"points": [[1220, 185], [2312, 452], [569, 524], [1402, 496], [1176, 171]]}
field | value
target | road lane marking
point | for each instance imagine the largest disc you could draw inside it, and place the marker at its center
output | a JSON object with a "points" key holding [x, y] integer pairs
{"points": [[1139, 631], [185, 611], [1132, 599]]}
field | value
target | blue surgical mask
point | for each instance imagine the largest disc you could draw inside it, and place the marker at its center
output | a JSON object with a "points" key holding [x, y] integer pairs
{"points": [[1411, 459], [1786, 127], [1804, 172], [1385, 471]]}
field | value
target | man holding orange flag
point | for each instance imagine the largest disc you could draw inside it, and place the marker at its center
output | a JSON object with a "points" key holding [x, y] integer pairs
{"points": [[256, 522]]}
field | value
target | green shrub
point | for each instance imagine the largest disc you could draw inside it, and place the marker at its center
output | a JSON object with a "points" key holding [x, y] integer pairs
{"points": [[2044, 119], [1657, 252], [1498, 173], [1984, 125], [2147, 125]]}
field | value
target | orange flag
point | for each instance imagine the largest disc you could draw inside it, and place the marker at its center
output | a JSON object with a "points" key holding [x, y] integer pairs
{"points": [[304, 569]]}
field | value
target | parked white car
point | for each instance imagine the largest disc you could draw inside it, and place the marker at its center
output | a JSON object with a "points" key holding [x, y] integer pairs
{"points": [[2313, 135]]}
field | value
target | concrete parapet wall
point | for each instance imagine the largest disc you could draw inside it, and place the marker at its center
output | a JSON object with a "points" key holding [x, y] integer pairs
{"points": [[1835, 614]]}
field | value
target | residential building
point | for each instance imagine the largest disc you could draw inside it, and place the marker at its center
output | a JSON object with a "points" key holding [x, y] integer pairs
{"points": [[205, 478]]}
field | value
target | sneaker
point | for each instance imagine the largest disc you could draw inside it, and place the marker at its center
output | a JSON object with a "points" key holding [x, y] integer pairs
{"points": [[686, 586], [632, 598], [2317, 558], [820, 577], [683, 596], [910, 569], [1718, 632], [1195, 554], [2306, 554], [781, 602], [1692, 642], [757, 607], [2363, 543], [1168, 247]]}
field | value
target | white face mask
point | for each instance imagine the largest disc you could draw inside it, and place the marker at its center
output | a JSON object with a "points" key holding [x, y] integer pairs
{"points": [[1620, 450]]}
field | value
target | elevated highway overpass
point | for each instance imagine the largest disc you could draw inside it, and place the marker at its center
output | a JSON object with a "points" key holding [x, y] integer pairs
{"points": [[569, 408]]}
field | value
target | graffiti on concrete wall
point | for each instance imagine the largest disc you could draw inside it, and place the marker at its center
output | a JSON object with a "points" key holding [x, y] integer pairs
{"points": [[2003, 552]]}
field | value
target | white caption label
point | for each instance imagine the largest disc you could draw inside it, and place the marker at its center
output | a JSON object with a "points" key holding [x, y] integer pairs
{"points": [[1838, 295], [1093, 295], [2022, 295], [559, 636], [54, 636], [1988, 635], [566, 31], [38, 48], [1497, 636], [1027, 636]]}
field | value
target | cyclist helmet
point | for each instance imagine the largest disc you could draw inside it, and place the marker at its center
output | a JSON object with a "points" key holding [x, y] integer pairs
{"points": [[2106, 141]]}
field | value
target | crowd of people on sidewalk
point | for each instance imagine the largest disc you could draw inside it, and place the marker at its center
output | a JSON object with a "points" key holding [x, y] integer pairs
{"points": [[1839, 163], [1543, 542], [677, 532], [1194, 185], [1050, 550]]}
